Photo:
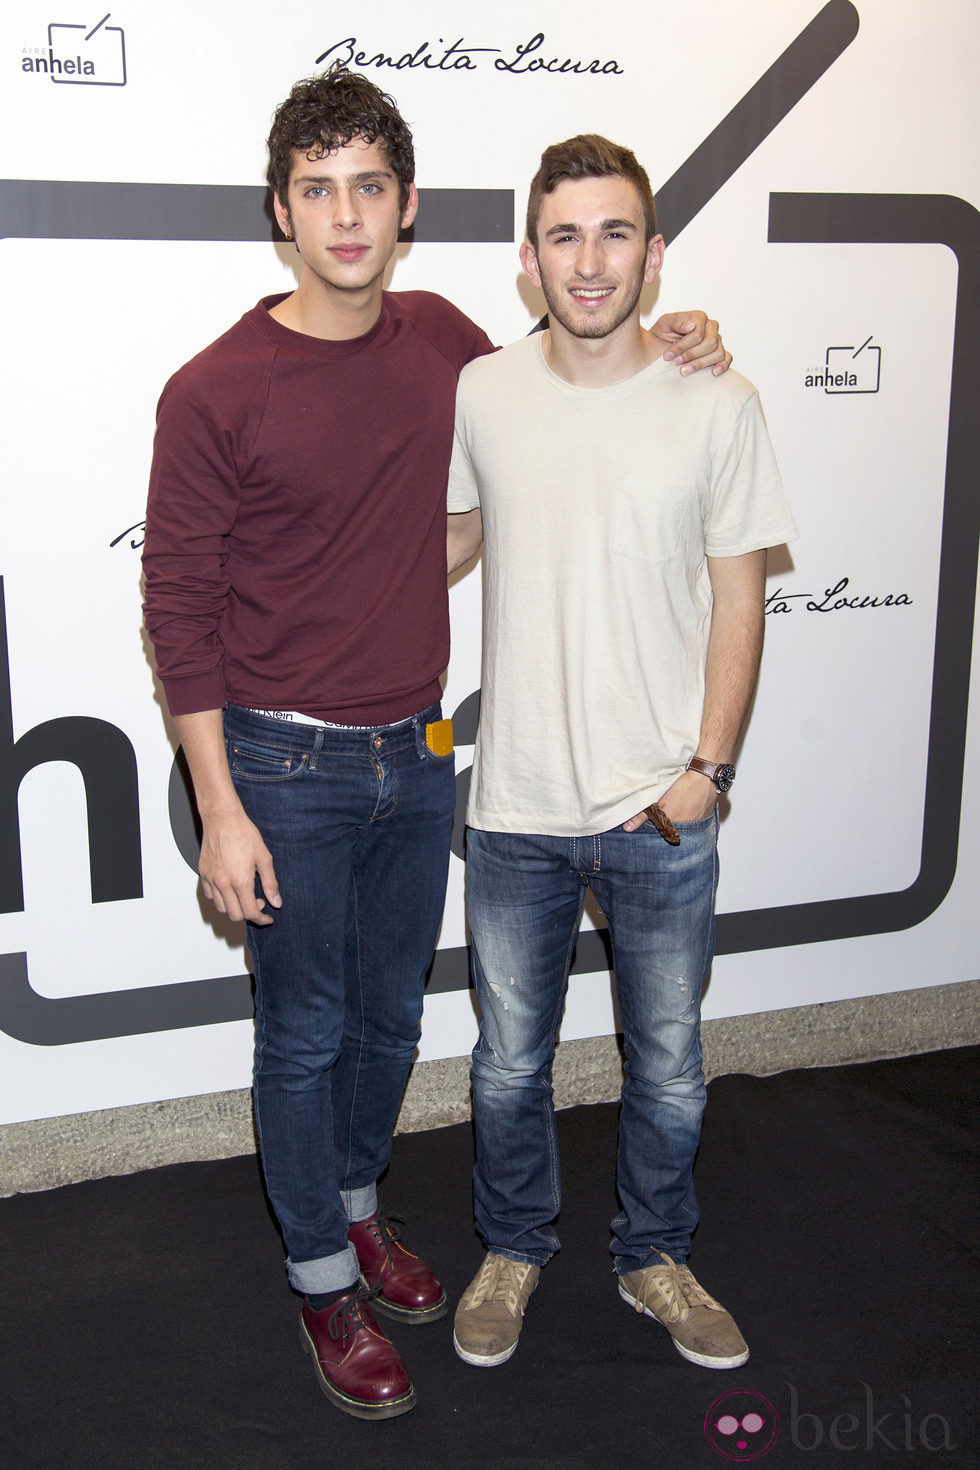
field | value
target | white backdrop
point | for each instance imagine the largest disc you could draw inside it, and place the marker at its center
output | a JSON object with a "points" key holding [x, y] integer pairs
{"points": [[847, 865]]}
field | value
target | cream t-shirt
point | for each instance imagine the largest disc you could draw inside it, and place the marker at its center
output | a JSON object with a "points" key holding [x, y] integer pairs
{"points": [[599, 507]]}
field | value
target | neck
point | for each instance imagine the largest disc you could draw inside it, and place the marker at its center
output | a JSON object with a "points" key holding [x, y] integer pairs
{"points": [[319, 310], [598, 362]]}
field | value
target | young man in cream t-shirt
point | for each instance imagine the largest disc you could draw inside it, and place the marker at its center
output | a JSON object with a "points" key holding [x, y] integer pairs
{"points": [[625, 520]]}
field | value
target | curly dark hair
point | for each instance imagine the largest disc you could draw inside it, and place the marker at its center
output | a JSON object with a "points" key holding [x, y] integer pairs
{"points": [[588, 156], [327, 112]]}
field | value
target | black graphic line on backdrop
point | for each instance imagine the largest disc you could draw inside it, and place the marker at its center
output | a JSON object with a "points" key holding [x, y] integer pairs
{"points": [[759, 113], [43, 209], [30, 1017]]}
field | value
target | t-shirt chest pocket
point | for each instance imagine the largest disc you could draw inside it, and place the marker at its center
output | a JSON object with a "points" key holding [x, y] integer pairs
{"points": [[656, 520]]}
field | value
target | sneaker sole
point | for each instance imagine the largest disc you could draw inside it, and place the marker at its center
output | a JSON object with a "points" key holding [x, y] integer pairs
{"points": [[357, 1408], [411, 1316], [477, 1360], [692, 1357]]}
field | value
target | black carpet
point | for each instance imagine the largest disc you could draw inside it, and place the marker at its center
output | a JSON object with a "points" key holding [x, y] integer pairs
{"points": [[145, 1323]]}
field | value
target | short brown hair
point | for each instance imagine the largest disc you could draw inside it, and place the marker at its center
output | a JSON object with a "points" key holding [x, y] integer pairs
{"points": [[588, 156], [331, 110]]}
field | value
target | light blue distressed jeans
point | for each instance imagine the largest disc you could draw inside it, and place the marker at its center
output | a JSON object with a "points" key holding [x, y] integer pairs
{"points": [[524, 898]]}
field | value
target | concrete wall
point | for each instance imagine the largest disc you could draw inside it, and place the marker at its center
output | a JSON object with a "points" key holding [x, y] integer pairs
{"points": [[56, 1151]]}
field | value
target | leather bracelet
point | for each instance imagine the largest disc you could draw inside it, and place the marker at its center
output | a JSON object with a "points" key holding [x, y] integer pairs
{"points": [[663, 824]]}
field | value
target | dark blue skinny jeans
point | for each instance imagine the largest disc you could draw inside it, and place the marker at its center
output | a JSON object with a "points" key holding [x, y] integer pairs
{"points": [[358, 822]]}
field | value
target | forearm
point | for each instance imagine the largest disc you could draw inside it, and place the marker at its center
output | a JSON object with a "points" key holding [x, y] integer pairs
{"points": [[731, 672], [233, 852], [203, 739]]}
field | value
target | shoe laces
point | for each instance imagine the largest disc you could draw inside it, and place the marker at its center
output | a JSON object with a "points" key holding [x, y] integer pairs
{"points": [[678, 1287], [386, 1233], [503, 1281], [348, 1317]]}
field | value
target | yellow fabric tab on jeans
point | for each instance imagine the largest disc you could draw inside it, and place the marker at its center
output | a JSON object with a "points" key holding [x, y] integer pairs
{"points": [[439, 737]]}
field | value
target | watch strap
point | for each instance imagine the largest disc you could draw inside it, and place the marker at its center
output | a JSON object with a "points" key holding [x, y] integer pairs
{"points": [[711, 769]]}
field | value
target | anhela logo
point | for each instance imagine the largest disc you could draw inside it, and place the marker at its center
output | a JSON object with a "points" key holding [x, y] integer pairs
{"points": [[81, 55], [848, 370]]}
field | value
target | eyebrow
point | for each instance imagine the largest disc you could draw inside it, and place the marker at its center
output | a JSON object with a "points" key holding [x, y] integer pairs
{"points": [[607, 224], [368, 176]]}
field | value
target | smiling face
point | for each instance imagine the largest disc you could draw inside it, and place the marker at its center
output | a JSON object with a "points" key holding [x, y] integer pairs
{"points": [[591, 258], [344, 212]]}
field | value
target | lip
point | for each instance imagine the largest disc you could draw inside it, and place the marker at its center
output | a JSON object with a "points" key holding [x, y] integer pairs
{"points": [[348, 253], [580, 300]]}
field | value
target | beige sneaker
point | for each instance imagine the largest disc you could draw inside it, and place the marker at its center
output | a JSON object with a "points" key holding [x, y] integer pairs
{"points": [[490, 1314], [702, 1330]]}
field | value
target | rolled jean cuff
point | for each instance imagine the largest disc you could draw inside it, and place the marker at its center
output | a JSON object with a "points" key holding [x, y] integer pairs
{"points": [[360, 1204], [329, 1273], [624, 1265], [541, 1260]]}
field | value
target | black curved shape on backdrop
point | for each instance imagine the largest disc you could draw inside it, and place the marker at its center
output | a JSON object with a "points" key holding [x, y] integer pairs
{"points": [[106, 761], [910, 219], [40, 1021]]}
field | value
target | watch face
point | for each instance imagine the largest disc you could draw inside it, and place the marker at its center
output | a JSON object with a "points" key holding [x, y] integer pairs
{"points": [[724, 776]]}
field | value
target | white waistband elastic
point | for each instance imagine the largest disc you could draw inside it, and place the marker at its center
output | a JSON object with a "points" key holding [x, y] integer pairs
{"points": [[294, 717]]}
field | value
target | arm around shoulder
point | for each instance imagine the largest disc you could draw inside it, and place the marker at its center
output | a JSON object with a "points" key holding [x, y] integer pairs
{"points": [[693, 341]]}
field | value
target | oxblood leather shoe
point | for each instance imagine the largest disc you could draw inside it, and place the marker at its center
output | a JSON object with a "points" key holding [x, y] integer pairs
{"points": [[407, 1290], [356, 1365]]}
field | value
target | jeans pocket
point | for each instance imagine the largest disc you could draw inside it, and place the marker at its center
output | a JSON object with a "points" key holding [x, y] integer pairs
{"points": [[252, 760], [697, 826], [441, 737]]}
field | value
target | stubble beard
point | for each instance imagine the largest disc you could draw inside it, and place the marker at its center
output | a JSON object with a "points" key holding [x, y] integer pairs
{"points": [[589, 329]]}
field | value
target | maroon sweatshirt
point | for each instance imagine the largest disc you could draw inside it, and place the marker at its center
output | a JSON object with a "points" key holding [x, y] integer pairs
{"points": [[295, 553]]}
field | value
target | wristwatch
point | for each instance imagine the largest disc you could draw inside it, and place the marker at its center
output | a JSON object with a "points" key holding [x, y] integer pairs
{"points": [[722, 776]]}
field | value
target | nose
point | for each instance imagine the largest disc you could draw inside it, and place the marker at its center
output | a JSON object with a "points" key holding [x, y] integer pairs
{"points": [[347, 211], [588, 260]]}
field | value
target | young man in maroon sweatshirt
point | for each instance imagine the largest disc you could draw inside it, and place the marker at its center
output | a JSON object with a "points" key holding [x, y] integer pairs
{"points": [[295, 563]]}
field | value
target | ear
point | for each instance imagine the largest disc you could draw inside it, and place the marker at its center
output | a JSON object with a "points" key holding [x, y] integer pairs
{"points": [[411, 207], [529, 260], [654, 259], [283, 219]]}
